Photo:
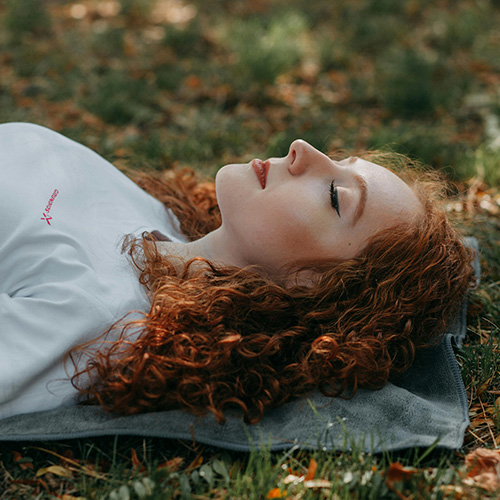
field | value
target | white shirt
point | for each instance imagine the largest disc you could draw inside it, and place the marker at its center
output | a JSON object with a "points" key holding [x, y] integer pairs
{"points": [[63, 278]]}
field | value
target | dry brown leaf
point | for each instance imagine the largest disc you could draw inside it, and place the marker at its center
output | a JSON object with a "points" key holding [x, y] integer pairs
{"points": [[172, 465], [196, 462], [136, 463], [18, 458], [398, 473], [480, 421], [193, 82], [484, 386], [311, 471], [481, 459], [483, 469], [487, 481], [452, 491]]}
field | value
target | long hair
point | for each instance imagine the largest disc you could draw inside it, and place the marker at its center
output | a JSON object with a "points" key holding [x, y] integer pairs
{"points": [[220, 337]]}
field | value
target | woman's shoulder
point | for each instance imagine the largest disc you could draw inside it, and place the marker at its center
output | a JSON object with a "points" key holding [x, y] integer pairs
{"points": [[28, 148], [27, 128], [27, 131], [19, 140]]}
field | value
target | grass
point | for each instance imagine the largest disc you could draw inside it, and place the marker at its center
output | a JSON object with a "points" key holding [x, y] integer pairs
{"points": [[154, 83], [133, 468], [264, 49]]}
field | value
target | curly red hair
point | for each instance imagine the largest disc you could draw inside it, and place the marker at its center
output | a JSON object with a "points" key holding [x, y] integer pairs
{"points": [[234, 338]]}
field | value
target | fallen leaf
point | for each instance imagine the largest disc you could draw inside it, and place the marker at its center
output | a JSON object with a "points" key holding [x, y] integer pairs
{"points": [[136, 463], [57, 470], [193, 82], [481, 459], [484, 386], [397, 473], [311, 471], [84, 469], [292, 478], [24, 463], [317, 483], [483, 469], [481, 421], [276, 493], [172, 465], [487, 481], [195, 463], [452, 491]]}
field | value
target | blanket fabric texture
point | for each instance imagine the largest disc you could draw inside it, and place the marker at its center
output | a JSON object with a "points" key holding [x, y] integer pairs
{"points": [[426, 406]]}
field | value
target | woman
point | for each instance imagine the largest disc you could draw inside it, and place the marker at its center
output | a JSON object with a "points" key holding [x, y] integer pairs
{"points": [[315, 273]]}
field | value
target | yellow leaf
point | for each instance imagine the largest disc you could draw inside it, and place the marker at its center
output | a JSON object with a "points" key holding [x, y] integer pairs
{"points": [[84, 469], [57, 470]]}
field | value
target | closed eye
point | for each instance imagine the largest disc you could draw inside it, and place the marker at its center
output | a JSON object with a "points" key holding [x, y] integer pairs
{"points": [[334, 197]]}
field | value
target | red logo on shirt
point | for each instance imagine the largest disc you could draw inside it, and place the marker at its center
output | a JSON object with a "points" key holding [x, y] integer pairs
{"points": [[48, 208], [47, 218]]}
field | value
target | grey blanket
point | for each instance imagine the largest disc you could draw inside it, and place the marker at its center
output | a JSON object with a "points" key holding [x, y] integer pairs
{"points": [[426, 406]]}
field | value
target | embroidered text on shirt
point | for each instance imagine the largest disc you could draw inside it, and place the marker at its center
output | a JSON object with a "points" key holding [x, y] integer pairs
{"points": [[46, 216]]}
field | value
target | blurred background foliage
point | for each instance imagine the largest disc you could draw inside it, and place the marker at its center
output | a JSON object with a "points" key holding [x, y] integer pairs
{"points": [[157, 83], [201, 83]]}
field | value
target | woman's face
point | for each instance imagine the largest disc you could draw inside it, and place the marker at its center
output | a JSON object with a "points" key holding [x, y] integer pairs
{"points": [[306, 206]]}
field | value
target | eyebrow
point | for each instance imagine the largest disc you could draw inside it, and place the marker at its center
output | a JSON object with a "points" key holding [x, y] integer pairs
{"points": [[363, 189]]}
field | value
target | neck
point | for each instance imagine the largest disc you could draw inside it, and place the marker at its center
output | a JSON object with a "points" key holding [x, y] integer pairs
{"points": [[214, 247]]}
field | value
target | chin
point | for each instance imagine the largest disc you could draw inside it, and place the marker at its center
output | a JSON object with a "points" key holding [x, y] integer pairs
{"points": [[226, 184], [232, 175]]}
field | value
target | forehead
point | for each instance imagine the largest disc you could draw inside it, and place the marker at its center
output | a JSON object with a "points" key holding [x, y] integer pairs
{"points": [[376, 172], [387, 192]]}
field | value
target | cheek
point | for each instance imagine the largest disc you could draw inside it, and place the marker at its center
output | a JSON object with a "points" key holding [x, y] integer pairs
{"points": [[289, 228], [296, 225]]}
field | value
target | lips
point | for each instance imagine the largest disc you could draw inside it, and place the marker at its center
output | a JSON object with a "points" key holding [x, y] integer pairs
{"points": [[261, 169]]}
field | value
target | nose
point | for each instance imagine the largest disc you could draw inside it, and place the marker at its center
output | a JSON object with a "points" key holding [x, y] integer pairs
{"points": [[303, 157]]}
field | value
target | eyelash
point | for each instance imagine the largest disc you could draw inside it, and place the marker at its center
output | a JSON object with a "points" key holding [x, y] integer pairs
{"points": [[334, 197]]}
